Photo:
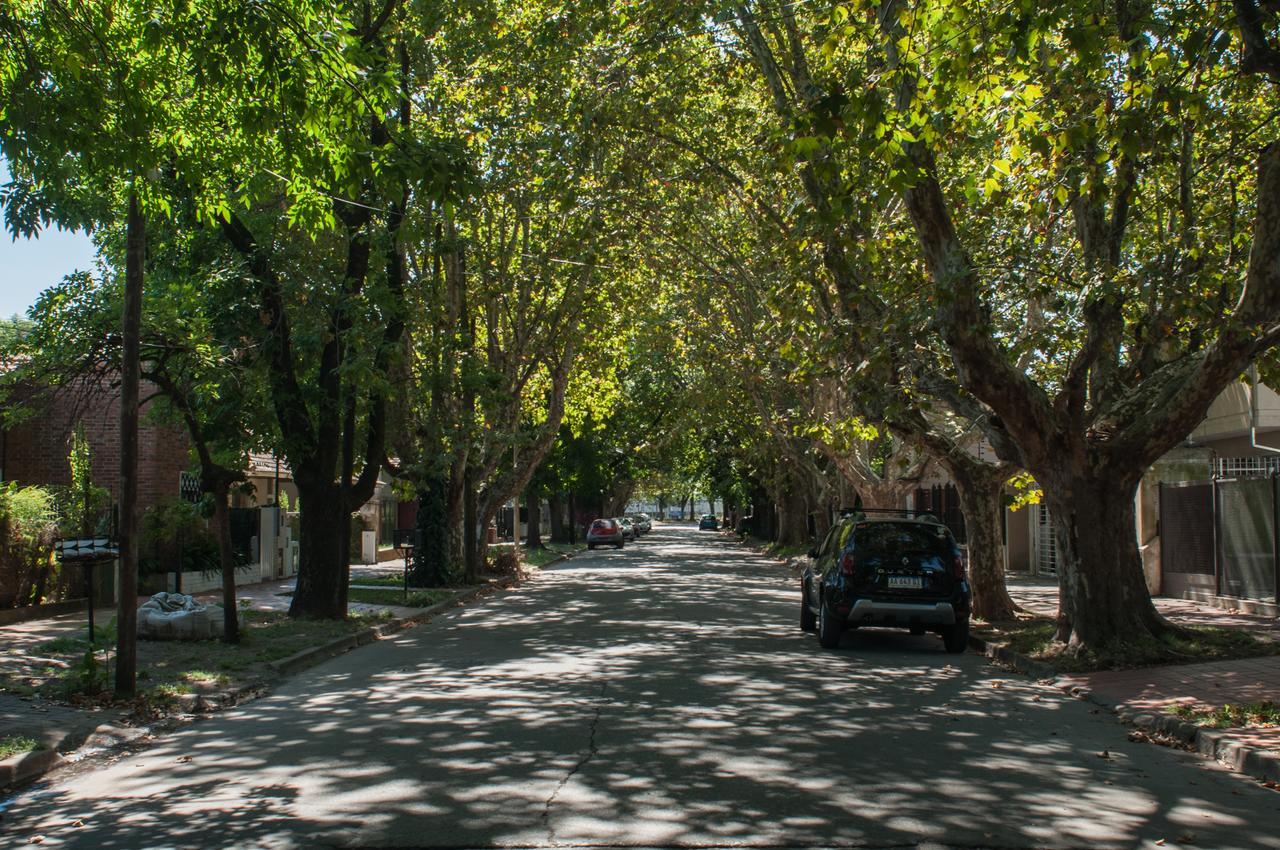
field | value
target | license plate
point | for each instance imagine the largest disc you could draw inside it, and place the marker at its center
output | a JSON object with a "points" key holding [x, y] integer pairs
{"points": [[906, 582]]}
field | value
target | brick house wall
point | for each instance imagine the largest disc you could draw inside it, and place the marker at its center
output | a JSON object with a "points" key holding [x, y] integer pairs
{"points": [[35, 451]]}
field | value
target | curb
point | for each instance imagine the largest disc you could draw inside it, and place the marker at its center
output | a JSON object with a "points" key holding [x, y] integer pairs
{"points": [[1216, 744], [1016, 660], [27, 767], [558, 560], [316, 654]]}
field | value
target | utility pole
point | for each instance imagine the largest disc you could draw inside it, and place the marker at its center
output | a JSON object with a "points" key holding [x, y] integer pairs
{"points": [[131, 328]]}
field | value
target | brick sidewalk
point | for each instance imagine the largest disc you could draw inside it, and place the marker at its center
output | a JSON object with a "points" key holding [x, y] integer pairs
{"points": [[1152, 690]]}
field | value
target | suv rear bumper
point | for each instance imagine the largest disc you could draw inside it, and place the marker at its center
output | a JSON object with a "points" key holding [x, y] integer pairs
{"points": [[868, 612]]}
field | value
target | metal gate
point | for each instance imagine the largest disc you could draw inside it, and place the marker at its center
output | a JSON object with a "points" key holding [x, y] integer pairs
{"points": [[1186, 528], [244, 534], [1187, 538], [1044, 543], [1247, 543]]}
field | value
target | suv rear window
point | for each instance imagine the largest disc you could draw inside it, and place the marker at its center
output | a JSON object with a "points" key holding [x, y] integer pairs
{"points": [[891, 538]]}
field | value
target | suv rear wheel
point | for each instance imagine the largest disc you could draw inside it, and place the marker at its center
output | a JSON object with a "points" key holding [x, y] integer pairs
{"points": [[808, 622], [956, 638], [829, 627]]}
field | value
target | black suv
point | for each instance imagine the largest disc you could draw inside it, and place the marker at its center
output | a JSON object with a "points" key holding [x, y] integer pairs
{"points": [[892, 569]]}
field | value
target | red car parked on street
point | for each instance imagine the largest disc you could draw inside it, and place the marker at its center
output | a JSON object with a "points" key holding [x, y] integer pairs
{"points": [[605, 532]]}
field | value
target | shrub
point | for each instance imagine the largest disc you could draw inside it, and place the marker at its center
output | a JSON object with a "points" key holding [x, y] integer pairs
{"points": [[29, 573]]}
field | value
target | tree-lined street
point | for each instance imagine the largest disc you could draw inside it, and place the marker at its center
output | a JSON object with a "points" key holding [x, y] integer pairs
{"points": [[660, 695]]}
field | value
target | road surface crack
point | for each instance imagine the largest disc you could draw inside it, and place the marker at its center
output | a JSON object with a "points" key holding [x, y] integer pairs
{"points": [[587, 755]]}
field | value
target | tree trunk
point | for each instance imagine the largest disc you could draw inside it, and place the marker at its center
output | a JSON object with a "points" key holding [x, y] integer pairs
{"points": [[431, 562], [475, 535], [573, 517], [1098, 548], [792, 528], [555, 505], [483, 516], [456, 528], [318, 593], [127, 610], [534, 538], [227, 561], [822, 523], [981, 488]]}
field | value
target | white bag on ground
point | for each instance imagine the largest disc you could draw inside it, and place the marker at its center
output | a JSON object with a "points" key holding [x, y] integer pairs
{"points": [[176, 615]]}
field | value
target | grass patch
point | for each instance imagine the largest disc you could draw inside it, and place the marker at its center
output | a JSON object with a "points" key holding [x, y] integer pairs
{"points": [[171, 668], [12, 745], [379, 581], [206, 677], [551, 551], [1229, 716], [1033, 638], [171, 689], [790, 551], [416, 598]]}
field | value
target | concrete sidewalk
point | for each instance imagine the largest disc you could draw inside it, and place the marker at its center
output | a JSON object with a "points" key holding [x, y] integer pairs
{"points": [[1153, 690], [60, 728]]}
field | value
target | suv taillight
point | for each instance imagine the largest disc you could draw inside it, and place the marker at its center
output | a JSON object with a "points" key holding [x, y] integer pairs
{"points": [[847, 563], [957, 568]]}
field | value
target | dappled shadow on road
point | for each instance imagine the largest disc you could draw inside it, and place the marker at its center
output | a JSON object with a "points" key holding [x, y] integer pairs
{"points": [[658, 695]]}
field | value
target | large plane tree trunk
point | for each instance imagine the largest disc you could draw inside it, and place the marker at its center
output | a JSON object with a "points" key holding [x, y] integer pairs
{"points": [[431, 554], [981, 488], [559, 528], [1098, 548], [318, 593], [533, 540]]}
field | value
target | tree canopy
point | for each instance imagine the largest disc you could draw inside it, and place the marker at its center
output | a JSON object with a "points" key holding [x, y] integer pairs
{"points": [[787, 254]]}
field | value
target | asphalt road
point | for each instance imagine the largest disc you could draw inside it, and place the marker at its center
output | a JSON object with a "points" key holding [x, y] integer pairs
{"points": [[657, 696]]}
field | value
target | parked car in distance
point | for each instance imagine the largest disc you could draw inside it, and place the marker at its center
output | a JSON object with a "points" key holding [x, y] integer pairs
{"points": [[708, 523], [642, 523], [891, 570], [628, 528], [605, 532]]}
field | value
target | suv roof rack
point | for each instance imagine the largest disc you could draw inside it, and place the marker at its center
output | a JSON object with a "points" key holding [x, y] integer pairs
{"points": [[906, 513]]}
